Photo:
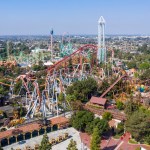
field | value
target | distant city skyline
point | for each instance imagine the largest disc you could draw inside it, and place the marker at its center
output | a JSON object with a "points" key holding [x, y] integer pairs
{"points": [[37, 17]]}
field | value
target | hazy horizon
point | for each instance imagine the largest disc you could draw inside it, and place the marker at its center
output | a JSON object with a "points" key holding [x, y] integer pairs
{"points": [[76, 35]]}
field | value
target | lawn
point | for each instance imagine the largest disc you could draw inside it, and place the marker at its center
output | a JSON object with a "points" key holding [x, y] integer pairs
{"points": [[117, 136], [132, 141]]}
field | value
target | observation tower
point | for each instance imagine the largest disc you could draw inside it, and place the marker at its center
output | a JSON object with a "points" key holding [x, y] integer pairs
{"points": [[50, 48], [101, 54]]}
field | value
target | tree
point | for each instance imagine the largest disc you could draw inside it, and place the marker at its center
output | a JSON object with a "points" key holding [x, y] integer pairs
{"points": [[70, 99], [101, 124], [144, 49], [130, 107], [17, 70], [45, 145], [83, 90], [22, 111], [120, 105], [147, 139], [107, 115], [95, 142], [61, 97], [17, 87], [38, 67], [61, 100], [95, 70], [131, 64], [80, 119], [120, 128], [145, 75], [103, 86], [76, 105], [72, 145], [136, 75], [138, 124], [144, 66], [3, 88]]}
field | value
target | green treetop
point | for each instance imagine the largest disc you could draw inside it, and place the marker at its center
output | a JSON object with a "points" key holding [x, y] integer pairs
{"points": [[82, 90], [130, 107], [80, 119], [45, 145], [138, 125], [61, 97], [95, 142], [101, 124], [107, 115], [72, 145]]}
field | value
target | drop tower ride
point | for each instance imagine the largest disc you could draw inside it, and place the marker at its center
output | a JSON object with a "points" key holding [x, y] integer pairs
{"points": [[101, 54]]}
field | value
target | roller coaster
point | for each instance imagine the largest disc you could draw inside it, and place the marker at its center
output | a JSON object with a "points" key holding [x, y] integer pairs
{"points": [[74, 67], [29, 59]]}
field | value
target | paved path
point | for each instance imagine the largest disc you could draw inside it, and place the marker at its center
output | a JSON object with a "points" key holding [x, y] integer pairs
{"points": [[119, 145], [61, 146]]}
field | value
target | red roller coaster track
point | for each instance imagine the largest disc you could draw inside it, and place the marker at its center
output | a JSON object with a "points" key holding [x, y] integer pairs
{"points": [[65, 59], [112, 85], [88, 46]]}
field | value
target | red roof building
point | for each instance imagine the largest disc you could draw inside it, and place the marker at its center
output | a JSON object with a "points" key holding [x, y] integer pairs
{"points": [[59, 120], [113, 123], [32, 126], [22, 129], [112, 143], [85, 139], [98, 101]]}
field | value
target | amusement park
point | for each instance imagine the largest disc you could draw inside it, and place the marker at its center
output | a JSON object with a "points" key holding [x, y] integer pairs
{"points": [[68, 91]]}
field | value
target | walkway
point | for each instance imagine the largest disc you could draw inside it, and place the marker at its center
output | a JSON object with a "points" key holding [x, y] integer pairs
{"points": [[37, 140]]}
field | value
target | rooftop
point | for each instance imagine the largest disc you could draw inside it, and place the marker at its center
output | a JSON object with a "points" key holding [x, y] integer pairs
{"points": [[85, 138], [31, 127], [111, 143], [112, 123], [59, 120], [98, 100], [22, 129]]}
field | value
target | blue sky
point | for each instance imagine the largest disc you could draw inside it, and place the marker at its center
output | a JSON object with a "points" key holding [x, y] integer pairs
{"points": [[74, 16]]}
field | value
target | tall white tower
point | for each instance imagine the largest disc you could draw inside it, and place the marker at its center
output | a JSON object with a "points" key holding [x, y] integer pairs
{"points": [[50, 48], [101, 54]]}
